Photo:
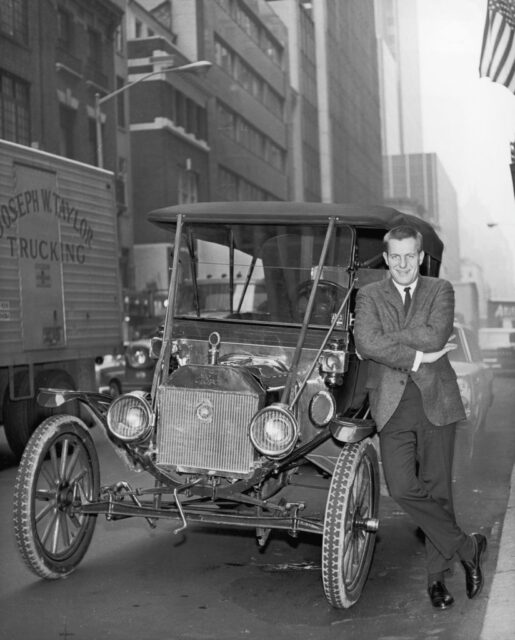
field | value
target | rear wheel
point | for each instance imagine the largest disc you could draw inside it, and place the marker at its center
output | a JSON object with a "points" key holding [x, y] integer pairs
{"points": [[350, 524], [59, 471]]}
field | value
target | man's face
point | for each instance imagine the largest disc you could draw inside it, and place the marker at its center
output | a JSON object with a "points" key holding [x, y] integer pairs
{"points": [[404, 260]]}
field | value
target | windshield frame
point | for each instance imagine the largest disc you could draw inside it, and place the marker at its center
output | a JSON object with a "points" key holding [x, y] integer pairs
{"points": [[248, 257]]}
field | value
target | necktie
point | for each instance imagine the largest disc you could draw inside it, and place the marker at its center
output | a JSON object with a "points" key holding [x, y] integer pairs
{"points": [[407, 300]]}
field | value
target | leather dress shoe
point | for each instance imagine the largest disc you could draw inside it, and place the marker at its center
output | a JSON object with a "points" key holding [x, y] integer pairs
{"points": [[439, 595], [473, 572]]}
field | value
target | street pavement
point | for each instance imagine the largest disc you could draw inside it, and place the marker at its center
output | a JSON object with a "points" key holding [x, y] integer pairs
{"points": [[499, 621], [216, 585]]}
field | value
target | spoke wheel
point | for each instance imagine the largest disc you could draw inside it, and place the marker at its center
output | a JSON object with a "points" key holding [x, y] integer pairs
{"points": [[350, 524], [58, 472]]}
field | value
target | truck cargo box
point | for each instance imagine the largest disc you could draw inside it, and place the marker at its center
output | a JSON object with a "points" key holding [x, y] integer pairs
{"points": [[60, 297]]}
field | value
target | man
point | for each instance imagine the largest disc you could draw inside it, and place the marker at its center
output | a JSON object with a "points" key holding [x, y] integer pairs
{"points": [[403, 327]]}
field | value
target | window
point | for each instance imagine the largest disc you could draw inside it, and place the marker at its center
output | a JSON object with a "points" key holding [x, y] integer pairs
{"points": [[14, 109], [121, 200], [238, 69], [119, 40], [67, 132], [95, 48], [14, 20], [187, 186], [64, 29], [180, 118], [120, 103], [138, 29], [92, 141]]}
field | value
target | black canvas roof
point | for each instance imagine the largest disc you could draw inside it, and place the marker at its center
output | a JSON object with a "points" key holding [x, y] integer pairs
{"points": [[278, 212]]}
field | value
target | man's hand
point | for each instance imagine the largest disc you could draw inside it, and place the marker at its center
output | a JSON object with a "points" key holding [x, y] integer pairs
{"points": [[433, 356]]}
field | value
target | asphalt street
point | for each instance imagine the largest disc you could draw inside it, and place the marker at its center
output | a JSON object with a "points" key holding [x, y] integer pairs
{"points": [[147, 584]]}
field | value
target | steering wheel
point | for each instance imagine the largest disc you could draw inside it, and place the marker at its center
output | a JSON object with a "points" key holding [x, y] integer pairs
{"points": [[328, 299]]}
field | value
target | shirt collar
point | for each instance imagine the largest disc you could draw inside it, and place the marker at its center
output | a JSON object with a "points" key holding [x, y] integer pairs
{"points": [[400, 287]]}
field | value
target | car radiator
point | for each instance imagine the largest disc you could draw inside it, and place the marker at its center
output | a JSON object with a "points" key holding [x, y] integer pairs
{"points": [[205, 430]]}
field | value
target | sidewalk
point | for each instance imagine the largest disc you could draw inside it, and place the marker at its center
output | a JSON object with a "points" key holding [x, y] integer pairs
{"points": [[499, 622]]}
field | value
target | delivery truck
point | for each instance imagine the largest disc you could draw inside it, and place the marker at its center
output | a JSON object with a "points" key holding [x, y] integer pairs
{"points": [[60, 296]]}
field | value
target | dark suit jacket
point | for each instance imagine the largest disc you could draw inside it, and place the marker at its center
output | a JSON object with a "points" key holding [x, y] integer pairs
{"points": [[389, 340]]}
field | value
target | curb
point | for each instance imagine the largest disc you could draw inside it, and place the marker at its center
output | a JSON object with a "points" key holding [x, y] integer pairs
{"points": [[499, 621]]}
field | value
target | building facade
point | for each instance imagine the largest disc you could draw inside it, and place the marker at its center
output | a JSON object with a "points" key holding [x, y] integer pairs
{"points": [[421, 179], [222, 136], [54, 58], [168, 120], [348, 101], [304, 148]]}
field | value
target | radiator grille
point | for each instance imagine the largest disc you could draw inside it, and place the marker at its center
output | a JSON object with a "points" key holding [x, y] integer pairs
{"points": [[205, 430]]}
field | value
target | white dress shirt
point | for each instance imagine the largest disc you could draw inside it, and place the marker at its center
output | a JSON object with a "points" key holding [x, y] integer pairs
{"points": [[401, 289]]}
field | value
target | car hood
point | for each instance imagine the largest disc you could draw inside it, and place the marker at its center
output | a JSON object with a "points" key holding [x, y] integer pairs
{"points": [[465, 368]]}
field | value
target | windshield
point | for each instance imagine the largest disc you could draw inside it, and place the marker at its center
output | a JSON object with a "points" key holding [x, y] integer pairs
{"points": [[260, 273]]}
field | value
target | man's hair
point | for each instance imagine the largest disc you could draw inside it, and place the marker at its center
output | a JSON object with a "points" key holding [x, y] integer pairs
{"points": [[402, 232]]}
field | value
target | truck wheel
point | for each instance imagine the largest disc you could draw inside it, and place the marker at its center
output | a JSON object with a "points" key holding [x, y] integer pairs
{"points": [[350, 524], [58, 472], [21, 417]]}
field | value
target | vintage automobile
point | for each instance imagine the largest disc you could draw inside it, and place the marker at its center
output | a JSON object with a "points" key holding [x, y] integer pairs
{"points": [[475, 378], [248, 394], [131, 371]]}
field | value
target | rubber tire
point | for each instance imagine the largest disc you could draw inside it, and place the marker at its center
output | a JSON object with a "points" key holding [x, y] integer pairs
{"points": [[32, 482], [21, 417], [357, 468]]}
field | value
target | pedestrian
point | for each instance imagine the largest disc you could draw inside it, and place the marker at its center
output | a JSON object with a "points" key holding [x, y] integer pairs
{"points": [[403, 328]]}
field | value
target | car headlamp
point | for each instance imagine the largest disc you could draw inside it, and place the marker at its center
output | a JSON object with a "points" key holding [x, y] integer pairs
{"points": [[129, 417], [138, 357], [274, 431], [322, 408], [332, 362]]}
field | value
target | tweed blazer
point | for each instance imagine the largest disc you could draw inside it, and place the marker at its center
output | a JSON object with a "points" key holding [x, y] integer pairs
{"points": [[389, 340]]}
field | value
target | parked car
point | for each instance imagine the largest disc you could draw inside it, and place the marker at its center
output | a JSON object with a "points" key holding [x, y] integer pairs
{"points": [[130, 371], [249, 395], [475, 378]]}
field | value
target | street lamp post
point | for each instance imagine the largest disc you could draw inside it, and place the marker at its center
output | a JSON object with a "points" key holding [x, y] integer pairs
{"points": [[190, 67]]}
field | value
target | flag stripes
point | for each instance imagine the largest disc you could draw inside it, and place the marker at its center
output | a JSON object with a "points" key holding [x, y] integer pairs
{"points": [[497, 60]]}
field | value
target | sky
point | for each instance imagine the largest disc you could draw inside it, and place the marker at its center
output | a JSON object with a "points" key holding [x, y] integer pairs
{"points": [[469, 122]]}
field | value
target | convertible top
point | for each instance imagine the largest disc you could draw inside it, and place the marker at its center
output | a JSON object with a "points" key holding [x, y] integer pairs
{"points": [[278, 212]]}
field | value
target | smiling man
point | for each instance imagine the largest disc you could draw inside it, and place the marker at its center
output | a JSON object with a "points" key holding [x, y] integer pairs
{"points": [[403, 328]]}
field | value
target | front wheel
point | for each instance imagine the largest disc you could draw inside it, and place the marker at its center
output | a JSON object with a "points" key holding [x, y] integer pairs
{"points": [[59, 471], [350, 524]]}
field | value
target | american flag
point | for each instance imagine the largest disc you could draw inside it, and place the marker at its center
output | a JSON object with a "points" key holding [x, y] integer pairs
{"points": [[498, 51]]}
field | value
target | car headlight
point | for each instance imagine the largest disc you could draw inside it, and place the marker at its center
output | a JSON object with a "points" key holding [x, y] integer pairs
{"points": [[274, 431], [129, 417], [466, 395], [138, 357]]}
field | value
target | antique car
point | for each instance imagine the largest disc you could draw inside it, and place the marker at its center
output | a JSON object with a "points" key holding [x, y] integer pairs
{"points": [[475, 378], [131, 371], [249, 393]]}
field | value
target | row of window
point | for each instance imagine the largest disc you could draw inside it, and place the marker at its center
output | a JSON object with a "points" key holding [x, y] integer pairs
{"points": [[68, 40], [240, 71], [232, 187], [237, 128], [14, 109], [14, 19], [187, 114], [253, 28]]}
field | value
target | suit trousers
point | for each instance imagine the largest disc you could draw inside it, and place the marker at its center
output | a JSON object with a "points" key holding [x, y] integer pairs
{"points": [[417, 461]]}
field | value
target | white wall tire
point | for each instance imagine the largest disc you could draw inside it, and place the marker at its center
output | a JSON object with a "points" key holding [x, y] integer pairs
{"points": [[59, 470], [347, 545]]}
